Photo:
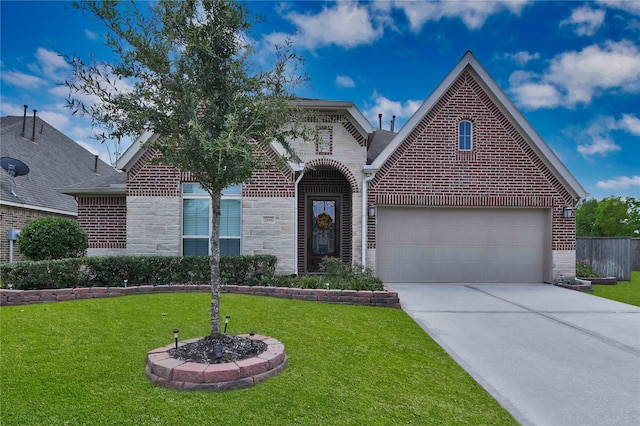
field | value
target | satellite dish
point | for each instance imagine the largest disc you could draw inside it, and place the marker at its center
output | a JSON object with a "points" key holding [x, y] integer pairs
{"points": [[15, 168]]}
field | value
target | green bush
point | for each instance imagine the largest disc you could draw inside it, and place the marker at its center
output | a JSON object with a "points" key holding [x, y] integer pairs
{"points": [[137, 270], [52, 238], [334, 275], [112, 271], [584, 269]]}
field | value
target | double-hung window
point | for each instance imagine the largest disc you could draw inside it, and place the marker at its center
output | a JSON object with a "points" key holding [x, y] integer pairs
{"points": [[196, 220], [465, 133]]}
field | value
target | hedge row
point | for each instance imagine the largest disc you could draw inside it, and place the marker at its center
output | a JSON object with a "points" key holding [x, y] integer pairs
{"points": [[136, 270]]}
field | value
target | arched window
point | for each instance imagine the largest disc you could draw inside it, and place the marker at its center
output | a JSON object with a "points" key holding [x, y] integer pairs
{"points": [[465, 132]]}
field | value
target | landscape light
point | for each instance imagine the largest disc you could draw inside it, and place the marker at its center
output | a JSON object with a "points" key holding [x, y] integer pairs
{"points": [[175, 336], [226, 322]]}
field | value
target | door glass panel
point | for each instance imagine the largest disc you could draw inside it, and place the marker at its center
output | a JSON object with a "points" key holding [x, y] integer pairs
{"points": [[323, 235]]}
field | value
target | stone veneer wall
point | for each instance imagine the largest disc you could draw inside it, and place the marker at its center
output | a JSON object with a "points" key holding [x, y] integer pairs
{"points": [[154, 225], [564, 263], [267, 228]]}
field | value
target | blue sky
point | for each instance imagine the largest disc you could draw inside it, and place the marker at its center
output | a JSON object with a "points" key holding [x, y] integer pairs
{"points": [[572, 68]]}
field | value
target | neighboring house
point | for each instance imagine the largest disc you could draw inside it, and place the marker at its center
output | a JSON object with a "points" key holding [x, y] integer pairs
{"points": [[54, 161], [466, 192]]}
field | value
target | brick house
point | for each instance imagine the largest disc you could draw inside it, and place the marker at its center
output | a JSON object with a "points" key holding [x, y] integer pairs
{"points": [[466, 191], [54, 161]]}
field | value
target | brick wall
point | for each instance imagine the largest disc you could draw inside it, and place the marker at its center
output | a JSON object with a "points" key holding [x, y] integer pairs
{"points": [[105, 220], [502, 170], [12, 217], [153, 180]]}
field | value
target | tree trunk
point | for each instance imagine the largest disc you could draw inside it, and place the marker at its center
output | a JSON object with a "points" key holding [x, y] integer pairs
{"points": [[214, 263]]}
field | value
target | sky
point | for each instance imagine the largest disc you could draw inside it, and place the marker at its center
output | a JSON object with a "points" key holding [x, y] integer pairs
{"points": [[572, 68]]}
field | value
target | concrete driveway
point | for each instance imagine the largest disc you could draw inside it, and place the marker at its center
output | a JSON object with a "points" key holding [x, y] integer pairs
{"points": [[550, 356]]}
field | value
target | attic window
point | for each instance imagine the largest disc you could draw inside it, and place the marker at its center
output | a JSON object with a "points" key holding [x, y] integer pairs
{"points": [[465, 132], [324, 140]]}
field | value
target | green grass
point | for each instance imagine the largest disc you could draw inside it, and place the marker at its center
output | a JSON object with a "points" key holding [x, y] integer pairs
{"points": [[624, 291], [82, 362]]}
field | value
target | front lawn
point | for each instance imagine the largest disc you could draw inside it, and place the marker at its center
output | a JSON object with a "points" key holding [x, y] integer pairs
{"points": [[624, 291], [82, 362]]}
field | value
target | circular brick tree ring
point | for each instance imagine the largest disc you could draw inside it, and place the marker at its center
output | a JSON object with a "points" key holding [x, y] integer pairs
{"points": [[163, 370]]}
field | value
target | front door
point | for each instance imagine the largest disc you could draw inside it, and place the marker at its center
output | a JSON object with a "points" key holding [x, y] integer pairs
{"points": [[323, 230]]}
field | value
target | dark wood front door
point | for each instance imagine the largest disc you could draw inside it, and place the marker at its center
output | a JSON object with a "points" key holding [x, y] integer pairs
{"points": [[323, 230]]}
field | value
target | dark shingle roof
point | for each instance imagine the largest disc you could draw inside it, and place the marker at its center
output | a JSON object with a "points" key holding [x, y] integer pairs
{"points": [[55, 161], [378, 141]]}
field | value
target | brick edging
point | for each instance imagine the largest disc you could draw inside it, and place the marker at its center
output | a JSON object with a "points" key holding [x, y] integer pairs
{"points": [[386, 298], [163, 370]]}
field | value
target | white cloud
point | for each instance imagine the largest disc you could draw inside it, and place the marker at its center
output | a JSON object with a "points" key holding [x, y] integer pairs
{"points": [[599, 146], [597, 139], [585, 20], [579, 76], [389, 108], [522, 57], [528, 90], [56, 119], [20, 79], [344, 81], [621, 182], [630, 124], [90, 34], [472, 13], [50, 63], [345, 24], [630, 6]]}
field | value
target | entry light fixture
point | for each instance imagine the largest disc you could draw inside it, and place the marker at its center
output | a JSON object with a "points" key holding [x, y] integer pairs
{"points": [[372, 210], [567, 211]]}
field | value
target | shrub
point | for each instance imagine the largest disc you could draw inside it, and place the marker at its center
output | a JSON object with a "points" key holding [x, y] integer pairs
{"points": [[111, 271], [52, 238], [137, 270], [584, 269]]}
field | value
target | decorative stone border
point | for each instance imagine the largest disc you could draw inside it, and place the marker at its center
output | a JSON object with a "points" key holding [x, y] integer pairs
{"points": [[579, 285], [181, 375], [388, 298], [602, 280]]}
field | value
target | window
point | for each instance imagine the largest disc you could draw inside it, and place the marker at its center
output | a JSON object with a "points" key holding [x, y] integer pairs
{"points": [[324, 139], [196, 217], [465, 131]]}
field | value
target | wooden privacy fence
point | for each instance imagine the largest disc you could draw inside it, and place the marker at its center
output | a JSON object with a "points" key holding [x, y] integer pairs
{"points": [[610, 256]]}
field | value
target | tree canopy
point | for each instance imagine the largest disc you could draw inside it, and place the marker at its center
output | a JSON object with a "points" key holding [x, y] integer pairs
{"points": [[609, 217], [184, 71]]}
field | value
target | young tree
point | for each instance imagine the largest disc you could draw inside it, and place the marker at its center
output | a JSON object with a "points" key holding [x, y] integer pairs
{"points": [[187, 77], [586, 218]]}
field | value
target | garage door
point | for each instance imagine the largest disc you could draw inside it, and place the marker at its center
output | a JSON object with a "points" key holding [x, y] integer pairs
{"points": [[461, 245]]}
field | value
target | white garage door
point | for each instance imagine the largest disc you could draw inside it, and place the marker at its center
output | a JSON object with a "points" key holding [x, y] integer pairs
{"points": [[462, 245]]}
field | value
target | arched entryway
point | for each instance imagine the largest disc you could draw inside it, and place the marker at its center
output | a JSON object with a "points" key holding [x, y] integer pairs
{"points": [[324, 218]]}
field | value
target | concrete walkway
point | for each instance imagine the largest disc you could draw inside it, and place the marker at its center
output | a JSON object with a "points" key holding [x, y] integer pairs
{"points": [[550, 356]]}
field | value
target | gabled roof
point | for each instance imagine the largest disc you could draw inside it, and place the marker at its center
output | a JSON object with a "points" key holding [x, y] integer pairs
{"points": [[55, 161], [135, 151], [469, 62], [326, 106]]}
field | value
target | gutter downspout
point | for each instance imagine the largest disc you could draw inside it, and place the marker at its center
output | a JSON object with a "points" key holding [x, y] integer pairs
{"points": [[295, 222], [370, 174]]}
